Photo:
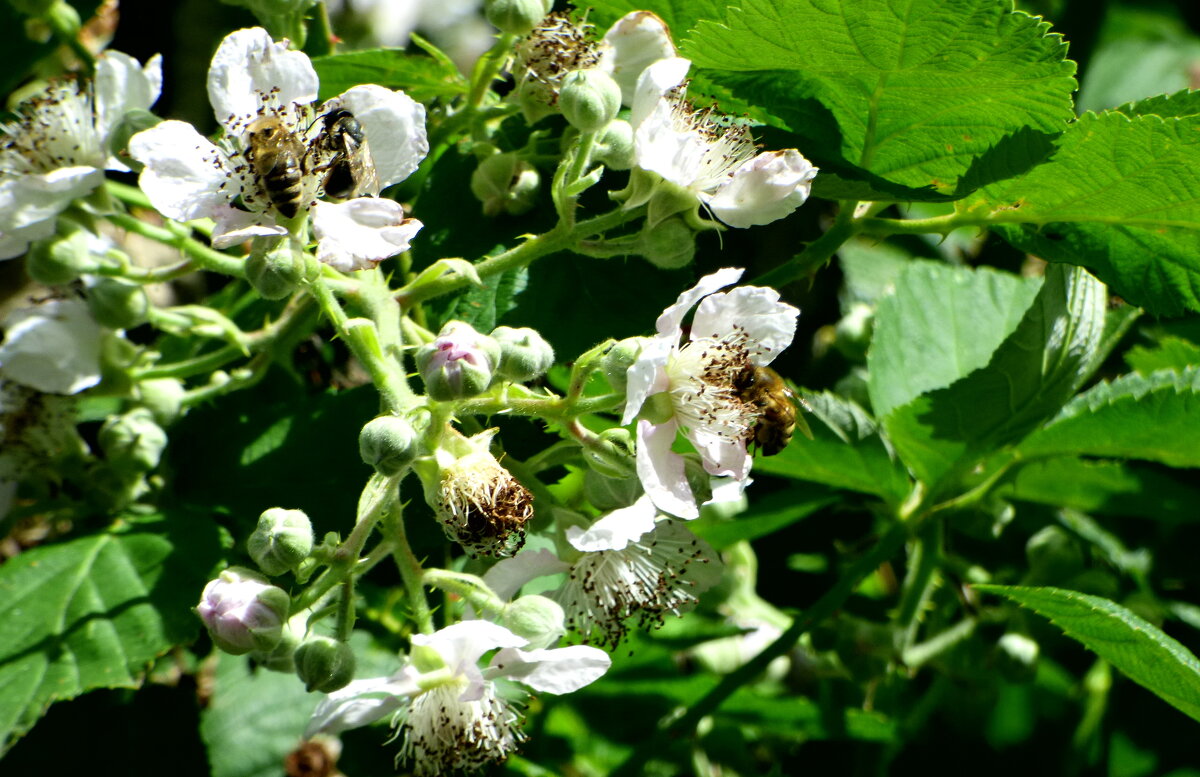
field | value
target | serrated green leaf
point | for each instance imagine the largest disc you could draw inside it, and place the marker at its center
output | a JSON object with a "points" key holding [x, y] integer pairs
{"points": [[1139, 649], [845, 452], [1174, 105], [482, 306], [1029, 378], [924, 94], [1103, 487], [942, 323], [95, 612], [421, 78], [1154, 417], [1121, 196], [1172, 353], [680, 15]]}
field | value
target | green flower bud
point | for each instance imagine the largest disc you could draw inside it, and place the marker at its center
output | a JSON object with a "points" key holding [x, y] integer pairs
{"points": [[130, 124], [516, 17], [64, 257], [605, 493], [275, 273], [1017, 657], [281, 658], [163, 397], [243, 612], [324, 664], [388, 443], [460, 363], [524, 353], [537, 619], [426, 659], [612, 453], [133, 443], [505, 183], [282, 540], [117, 303], [589, 99], [669, 245], [614, 146], [616, 362]]}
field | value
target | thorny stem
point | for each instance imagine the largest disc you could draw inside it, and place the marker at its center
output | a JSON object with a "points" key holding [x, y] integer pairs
{"points": [[410, 568], [469, 587], [204, 257], [817, 253]]}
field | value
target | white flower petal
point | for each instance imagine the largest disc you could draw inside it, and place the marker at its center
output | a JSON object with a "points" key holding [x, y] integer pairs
{"points": [[362, 702], [461, 644], [507, 576], [636, 41], [15, 242], [669, 322], [123, 85], [763, 189], [661, 470], [721, 455], [557, 670], [654, 82], [248, 65], [183, 171], [647, 375], [234, 226], [661, 148], [35, 197], [394, 125], [360, 233], [617, 529], [754, 310], [53, 347]]}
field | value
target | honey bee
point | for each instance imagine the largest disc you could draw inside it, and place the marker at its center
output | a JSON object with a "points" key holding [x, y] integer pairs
{"points": [[277, 158], [350, 170], [776, 403]]}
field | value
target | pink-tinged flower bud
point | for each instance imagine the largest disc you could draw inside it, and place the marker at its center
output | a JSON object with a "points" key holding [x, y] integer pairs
{"points": [[324, 664], [243, 612], [458, 364]]}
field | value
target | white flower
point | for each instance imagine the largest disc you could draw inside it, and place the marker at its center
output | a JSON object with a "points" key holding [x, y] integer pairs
{"points": [[53, 347], [58, 149], [634, 42], [710, 156], [630, 569], [253, 78], [451, 718], [703, 377]]}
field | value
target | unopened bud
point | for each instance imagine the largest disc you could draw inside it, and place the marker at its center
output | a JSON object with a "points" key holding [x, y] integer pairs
{"points": [[133, 443], [612, 453], [388, 443], [64, 257], [324, 664], [524, 353], [669, 245], [282, 540], [614, 146], [163, 397], [281, 658], [516, 17], [275, 273], [460, 363], [616, 362], [589, 99], [117, 303], [537, 619], [505, 183], [243, 612]]}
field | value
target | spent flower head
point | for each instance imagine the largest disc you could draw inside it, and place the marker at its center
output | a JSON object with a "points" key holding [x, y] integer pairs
{"points": [[701, 378]]}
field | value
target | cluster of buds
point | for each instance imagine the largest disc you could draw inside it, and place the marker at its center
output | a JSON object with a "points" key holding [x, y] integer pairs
{"points": [[461, 362]]}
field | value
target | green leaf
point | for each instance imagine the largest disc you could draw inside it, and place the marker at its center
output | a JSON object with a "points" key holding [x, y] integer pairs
{"points": [[422, 78], [932, 94], [482, 306], [870, 269], [680, 15], [1172, 353], [942, 323], [846, 452], [95, 612], [1103, 487], [1029, 378], [1121, 196], [763, 517], [1154, 417], [1142, 651]]}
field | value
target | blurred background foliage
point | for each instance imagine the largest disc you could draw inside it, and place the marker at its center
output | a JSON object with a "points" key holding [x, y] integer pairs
{"points": [[1128, 531]]}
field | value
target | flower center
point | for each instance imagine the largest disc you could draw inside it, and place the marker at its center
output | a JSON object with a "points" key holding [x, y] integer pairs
{"points": [[707, 379], [443, 734], [726, 143], [554, 48], [56, 130]]}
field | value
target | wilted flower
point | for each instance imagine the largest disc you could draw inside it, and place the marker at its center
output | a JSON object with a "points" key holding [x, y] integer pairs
{"points": [[449, 716], [710, 158], [702, 379], [256, 83], [630, 569], [59, 146]]}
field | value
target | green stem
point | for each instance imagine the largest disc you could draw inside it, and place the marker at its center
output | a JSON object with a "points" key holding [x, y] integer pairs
{"points": [[940, 225], [469, 587], [916, 655], [488, 67], [202, 255], [686, 723], [410, 568], [817, 253], [919, 584]]}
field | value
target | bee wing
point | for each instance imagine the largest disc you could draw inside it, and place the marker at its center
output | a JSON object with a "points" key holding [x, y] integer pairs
{"points": [[799, 401], [366, 179]]}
